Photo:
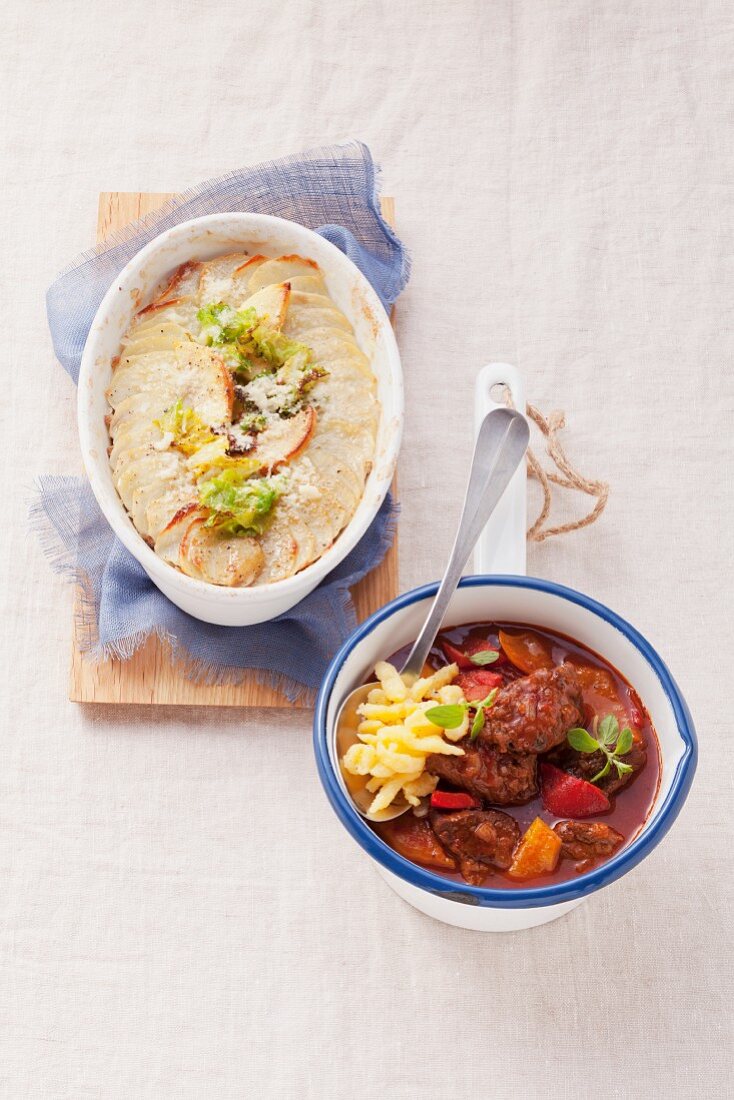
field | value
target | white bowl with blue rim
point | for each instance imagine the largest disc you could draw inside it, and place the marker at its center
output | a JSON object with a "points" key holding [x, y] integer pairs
{"points": [[498, 596]]}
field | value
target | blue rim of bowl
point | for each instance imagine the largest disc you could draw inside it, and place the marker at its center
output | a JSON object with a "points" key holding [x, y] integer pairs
{"points": [[530, 898]]}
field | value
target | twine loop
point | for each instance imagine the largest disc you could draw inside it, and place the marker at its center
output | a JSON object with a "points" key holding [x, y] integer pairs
{"points": [[564, 476]]}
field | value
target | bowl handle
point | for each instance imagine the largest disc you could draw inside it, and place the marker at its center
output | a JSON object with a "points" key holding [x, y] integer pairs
{"points": [[501, 547]]}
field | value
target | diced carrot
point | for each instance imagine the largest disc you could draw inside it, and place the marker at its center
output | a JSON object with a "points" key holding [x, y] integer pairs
{"points": [[537, 853], [527, 651]]}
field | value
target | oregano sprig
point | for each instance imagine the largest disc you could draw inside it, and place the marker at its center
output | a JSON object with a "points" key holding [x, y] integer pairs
{"points": [[609, 740], [450, 715]]}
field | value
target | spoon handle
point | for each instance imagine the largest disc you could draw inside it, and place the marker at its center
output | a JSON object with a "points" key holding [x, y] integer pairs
{"points": [[501, 444]]}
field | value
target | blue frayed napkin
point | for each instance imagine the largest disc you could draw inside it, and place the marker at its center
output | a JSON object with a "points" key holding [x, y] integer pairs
{"points": [[332, 191]]}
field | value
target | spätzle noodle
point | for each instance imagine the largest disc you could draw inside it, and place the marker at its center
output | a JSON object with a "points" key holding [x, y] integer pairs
{"points": [[396, 738]]}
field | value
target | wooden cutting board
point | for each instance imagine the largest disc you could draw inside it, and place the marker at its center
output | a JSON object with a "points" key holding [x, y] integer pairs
{"points": [[151, 676]]}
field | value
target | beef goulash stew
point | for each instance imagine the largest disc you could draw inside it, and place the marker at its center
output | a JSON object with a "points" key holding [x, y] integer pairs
{"points": [[525, 758]]}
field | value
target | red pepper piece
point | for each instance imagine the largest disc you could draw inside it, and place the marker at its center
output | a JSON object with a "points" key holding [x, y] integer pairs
{"points": [[568, 796], [478, 683], [453, 800], [463, 657], [455, 656]]}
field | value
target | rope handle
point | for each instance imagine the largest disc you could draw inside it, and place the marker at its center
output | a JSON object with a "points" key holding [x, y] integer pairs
{"points": [[568, 478]]}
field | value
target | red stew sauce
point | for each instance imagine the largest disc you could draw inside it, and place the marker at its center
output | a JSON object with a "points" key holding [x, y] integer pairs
{"points": [[477, 843]]}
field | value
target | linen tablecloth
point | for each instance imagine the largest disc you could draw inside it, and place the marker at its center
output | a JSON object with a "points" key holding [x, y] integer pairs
{"points": [[180, 913]]}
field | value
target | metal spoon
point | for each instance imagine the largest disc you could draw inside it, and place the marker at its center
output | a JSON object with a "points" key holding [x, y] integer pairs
{"points": [[501, 444]]}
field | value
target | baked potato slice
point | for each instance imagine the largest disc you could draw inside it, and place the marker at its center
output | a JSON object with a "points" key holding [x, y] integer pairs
{"points": [[284, 439], [168, 542], [184, 282], [160, 488], [179, 311], [270, 303], [309, 284], [215, 278], [309, 311], [304, 539], [160, 510], [156, 338], [351, 442], [191, 372], [337, 398], [159, 469], [329, 343], [280, 553], [280, 270], [136, 432], [230, 561], [205, 383], [337, 476]]}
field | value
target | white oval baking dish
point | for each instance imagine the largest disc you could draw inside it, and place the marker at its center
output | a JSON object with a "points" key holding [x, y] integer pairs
{"points": [[201, 239]]}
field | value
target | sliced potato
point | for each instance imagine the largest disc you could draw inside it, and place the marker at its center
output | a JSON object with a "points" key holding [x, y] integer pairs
{"points": [[337, 476], [241, 276], [270, 303], [168, 542], [280, 553], [158, 338], [158, 487], [284, 439], [346, 364], [184, 282], [133, 433], [278, 271], [206, 384], [180, 311], [336, 400], [159, 470], [309, 311], [329, 343], [193, 373], [215, 278], [304, 539], [309, 284], [152, 372], [161, 509], [218, 559], [344, 438]]}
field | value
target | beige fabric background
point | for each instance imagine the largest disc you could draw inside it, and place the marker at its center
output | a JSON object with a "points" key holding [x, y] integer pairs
{"points": [[180, 914]]}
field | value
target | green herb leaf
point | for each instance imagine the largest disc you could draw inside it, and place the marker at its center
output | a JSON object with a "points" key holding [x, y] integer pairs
{"points": [[608, 730], [582, 741], [485, 657], [603, 772], [478, 722], [448, 717], [624, 742], [477, 725]]}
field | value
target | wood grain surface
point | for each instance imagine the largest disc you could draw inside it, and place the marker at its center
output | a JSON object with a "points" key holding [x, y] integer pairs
{"points": [[151, 676]]}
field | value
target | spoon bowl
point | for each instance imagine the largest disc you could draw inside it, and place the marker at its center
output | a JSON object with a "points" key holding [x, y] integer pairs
{"points": [[346, 736]]}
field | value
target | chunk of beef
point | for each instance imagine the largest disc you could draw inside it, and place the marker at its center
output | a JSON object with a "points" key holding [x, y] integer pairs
{"points": [[501, 777], [586, 765], [587, 840], [414, 838], [536, 712], [480, 840]]}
